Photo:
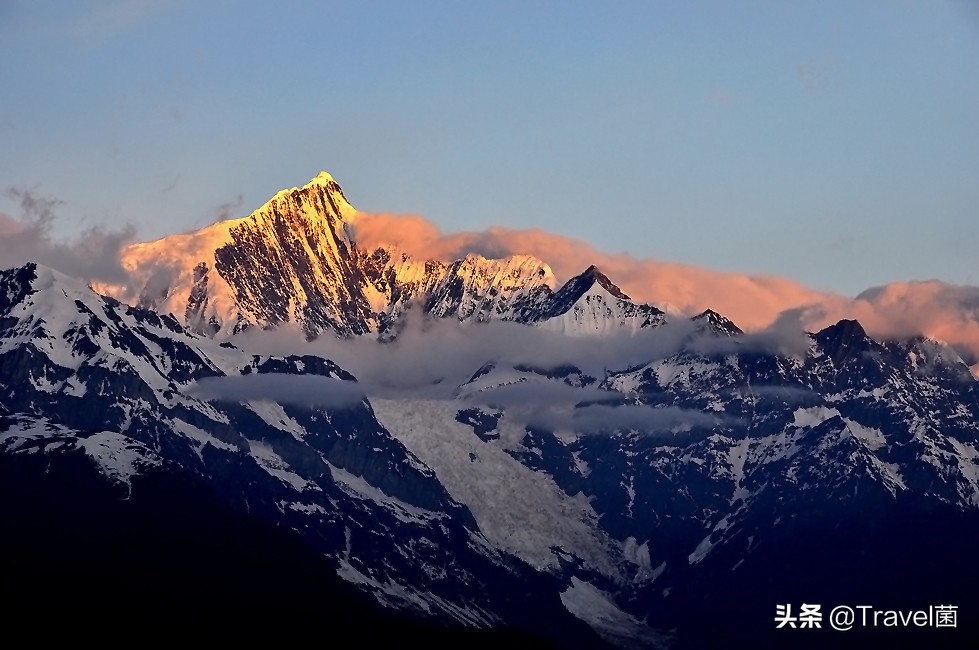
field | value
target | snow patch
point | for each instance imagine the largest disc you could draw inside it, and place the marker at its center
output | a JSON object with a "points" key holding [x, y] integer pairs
{"points": [[306, 508], [398, 596], [274, 415], [967, 458], [595, 607], [272, 463], [813, 416], [199, 436], [119, 457], [518, 510], [869, 436], [356, 486]]}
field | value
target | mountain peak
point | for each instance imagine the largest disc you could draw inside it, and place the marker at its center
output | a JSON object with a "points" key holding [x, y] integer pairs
{"points": [[846, 328], [579, 307], [322, 194], [844, 341], [593, 274], [321, 179], [42, 277], [710, 320], [520, 264]]}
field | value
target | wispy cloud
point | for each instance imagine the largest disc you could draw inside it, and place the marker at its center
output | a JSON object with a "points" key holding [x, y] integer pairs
{"points": [[308, 391], [604, 418], [431, 359], [228, 209], [94, 255], [558, 407], [545, 392]]}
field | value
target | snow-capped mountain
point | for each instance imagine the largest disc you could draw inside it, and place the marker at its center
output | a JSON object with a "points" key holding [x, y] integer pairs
{"points": [[289, 261], [599, 472], [296, 260]]}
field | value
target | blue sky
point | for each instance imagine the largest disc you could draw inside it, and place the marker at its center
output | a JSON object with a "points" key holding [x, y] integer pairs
{"points": [[833, 143]]}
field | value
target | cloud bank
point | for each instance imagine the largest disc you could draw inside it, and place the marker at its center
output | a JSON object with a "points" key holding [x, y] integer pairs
{"points": [[432, 359]]}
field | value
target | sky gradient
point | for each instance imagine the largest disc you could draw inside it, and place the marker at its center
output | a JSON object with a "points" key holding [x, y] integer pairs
{"points": [[831, 143]]}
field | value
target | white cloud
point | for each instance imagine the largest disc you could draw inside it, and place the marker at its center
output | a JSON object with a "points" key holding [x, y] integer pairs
{"points": [[308, 391]]}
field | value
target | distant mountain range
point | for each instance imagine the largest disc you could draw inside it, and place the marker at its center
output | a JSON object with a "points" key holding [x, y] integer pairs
{"points": [[150, 453]]}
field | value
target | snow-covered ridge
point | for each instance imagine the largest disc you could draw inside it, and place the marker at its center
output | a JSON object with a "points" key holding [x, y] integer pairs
{"points": [[295, 259]]}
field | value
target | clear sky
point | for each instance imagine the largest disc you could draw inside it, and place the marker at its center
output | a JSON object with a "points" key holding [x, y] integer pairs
{"points": [[834, 143]]}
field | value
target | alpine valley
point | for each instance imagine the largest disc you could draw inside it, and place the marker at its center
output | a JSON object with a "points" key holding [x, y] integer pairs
{"points": [[273, 430]]}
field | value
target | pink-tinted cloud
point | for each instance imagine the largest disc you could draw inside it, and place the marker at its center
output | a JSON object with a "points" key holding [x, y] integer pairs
{"points": [[933, 308], [944, 311], [751, 301]]}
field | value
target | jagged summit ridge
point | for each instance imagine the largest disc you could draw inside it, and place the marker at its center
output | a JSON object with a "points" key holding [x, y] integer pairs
{"points": [[296, 260]]}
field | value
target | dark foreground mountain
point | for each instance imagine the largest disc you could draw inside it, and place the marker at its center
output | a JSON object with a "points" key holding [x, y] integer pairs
{"points": [[124, 488]]}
